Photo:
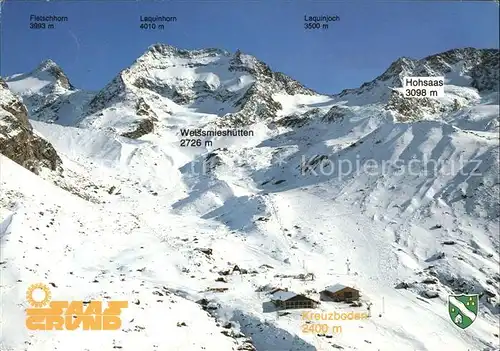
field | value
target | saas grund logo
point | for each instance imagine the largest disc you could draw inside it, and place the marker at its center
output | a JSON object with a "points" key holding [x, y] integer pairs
{"points": [[463, 309], [45, 314]]}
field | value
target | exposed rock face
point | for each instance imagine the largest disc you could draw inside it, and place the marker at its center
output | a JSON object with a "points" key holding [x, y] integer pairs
{"points": [[291, 86], [17, 140], [257, 103], [412, 108], [145, 125], [179, 97], [336, 114], [212, 161], [298, 120], [113, 92], [486, 75], [247, 63]]}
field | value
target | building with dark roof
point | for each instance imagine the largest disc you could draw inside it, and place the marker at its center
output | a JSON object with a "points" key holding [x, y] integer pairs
{"points": [[290, 300], [339, 292]]}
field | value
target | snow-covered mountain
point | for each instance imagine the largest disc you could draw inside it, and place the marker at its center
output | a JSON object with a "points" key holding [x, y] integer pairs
{"points": [[167, 79], [48, 94], [397, 197], [471, 78]]}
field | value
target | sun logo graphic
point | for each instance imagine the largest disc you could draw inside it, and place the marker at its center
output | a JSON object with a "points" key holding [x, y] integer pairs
{"points": [[46, 314], [36, 301]]}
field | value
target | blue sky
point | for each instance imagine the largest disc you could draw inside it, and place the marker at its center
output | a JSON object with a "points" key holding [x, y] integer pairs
{"points": [[103, 37]]}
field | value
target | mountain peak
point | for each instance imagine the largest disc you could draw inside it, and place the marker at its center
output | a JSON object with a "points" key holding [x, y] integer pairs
{"points": [[478, 68], [442, 63], [401, 65], [172, 51], [51, 68], [236, 86], [47, 65]]}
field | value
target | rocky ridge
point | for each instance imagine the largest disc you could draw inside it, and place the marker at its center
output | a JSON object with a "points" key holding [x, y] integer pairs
{"points": [[245, 88], [17, 139]]}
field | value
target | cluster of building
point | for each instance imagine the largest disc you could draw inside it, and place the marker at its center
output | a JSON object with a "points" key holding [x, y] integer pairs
{"points": [[284, 299]]}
